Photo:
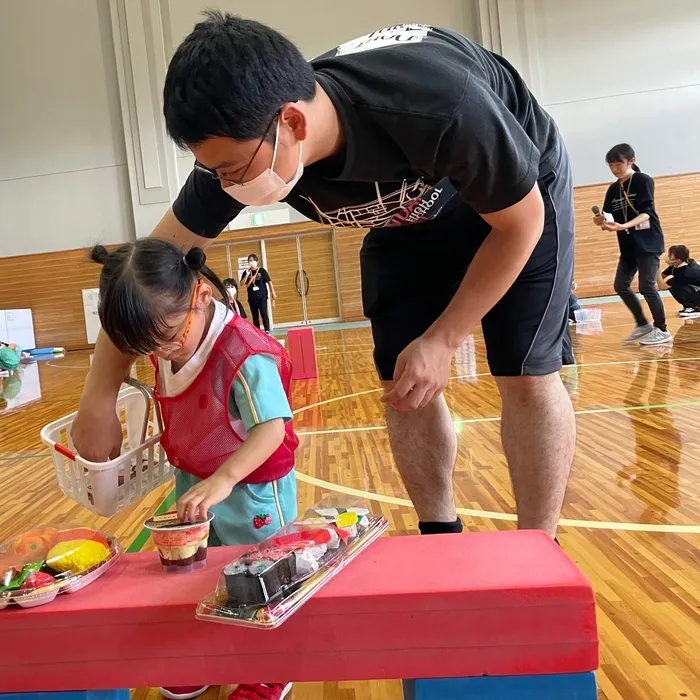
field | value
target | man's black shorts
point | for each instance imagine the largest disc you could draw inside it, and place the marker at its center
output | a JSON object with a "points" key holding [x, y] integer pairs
{"points": [[410, 274]]}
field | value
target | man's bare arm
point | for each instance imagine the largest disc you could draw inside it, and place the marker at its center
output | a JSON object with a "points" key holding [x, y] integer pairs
{"points": [[170, 229]]}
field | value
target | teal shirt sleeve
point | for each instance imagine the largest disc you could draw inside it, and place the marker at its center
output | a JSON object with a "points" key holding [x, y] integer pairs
{"points": [[9, 358], [257, 395]]}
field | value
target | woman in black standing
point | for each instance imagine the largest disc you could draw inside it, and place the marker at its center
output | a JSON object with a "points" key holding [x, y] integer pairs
{"points": [[256, 280], [630, 201]]}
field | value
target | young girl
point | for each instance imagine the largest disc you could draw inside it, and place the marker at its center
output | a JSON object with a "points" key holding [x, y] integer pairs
{"points": [[682, 276], [232, 289], [630, 201], [223, 389]]}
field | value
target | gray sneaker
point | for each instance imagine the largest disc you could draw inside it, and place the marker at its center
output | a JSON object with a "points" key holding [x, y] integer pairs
{"points": [[638, 333], [656, 337]]}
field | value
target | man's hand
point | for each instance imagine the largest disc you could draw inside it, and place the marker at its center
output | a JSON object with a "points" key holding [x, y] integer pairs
{"points": [[193, 506], [97, 432], [274, 303], [598, 219], [422, 372], [612, 226]]}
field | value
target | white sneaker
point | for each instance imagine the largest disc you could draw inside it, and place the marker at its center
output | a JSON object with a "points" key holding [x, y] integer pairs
{"points": [[185, 692], [638, 333], [686, 311], [656, 337]]}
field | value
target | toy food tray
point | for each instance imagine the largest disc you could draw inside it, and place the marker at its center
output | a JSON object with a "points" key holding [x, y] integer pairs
{"points": [[38, 565], [267, 584]]}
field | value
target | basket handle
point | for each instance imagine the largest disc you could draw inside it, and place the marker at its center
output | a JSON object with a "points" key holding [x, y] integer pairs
{"points": [[64, 451], [150, 399]]}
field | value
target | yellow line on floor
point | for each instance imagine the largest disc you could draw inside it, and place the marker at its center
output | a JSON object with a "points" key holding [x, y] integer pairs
{"points": [[492, 515]]}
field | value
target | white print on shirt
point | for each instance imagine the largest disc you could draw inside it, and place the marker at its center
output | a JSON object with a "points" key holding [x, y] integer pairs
{"points": [[410, 204], [620, 204], [382, 38]]}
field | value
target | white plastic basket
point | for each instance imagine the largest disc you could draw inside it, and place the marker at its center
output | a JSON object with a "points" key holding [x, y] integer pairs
{"points": [[107, 487]]}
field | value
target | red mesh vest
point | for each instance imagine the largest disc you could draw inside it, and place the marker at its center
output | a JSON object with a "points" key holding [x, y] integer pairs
{"points": [[199, 434]]}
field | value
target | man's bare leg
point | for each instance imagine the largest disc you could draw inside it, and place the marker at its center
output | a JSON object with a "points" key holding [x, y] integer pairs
{"points": [[425, 448], [538, 431]]}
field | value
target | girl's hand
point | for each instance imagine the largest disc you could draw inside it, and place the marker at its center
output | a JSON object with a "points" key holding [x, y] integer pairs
{"points": [[612, 226], [274, 303], [193, 506], [598, 219]]}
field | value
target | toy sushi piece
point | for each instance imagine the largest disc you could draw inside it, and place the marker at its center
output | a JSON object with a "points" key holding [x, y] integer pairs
{"points": [[265, 585], [259, 577], [41, 563]]}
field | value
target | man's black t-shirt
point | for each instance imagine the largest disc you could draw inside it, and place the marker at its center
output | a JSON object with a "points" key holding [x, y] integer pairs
{"points": [[431, 120], [640, 191], [257, 291]]}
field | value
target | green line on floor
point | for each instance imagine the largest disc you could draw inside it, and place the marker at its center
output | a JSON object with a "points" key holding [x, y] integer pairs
{"points": [[25, 455], [138, 544]]}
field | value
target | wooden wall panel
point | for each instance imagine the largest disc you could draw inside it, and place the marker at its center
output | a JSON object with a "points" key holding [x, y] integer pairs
{"points": [[348, 243], [321, 285], [217, 261], [50, 284], [283, 268]]}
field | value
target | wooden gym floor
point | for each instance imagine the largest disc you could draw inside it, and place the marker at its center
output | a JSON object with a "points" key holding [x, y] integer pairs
{"points": [[632, 512]]}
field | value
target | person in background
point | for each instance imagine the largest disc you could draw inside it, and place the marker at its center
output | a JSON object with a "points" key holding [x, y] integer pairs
{"points": [[232, 291], [574, 306], [630, 201], [10, 356], [683, 279], [256, 281]]}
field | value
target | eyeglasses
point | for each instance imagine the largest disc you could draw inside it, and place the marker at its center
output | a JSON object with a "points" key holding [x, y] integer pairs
{"points": [[241, 180], [177, 344]]}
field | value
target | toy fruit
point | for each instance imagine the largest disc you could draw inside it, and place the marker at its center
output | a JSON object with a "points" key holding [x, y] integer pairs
{"points": [[80, 533], [33, 545], [38, 579], [76, 556]]}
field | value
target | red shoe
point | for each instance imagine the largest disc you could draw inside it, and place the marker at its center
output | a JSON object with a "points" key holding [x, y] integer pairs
{"points": [[184, 692], [261, 691]]}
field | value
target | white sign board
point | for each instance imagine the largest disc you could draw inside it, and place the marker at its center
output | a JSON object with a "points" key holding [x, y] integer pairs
{"points": [[91, 298]]}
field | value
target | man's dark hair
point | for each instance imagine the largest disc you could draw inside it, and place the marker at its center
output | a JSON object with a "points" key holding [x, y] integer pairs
{"points": [[229, 78]]}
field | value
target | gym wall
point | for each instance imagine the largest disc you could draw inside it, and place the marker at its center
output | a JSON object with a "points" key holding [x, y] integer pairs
{"points": [[63, 169]]}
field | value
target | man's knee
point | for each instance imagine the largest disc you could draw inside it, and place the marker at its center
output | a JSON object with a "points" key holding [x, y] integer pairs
{"points": [[526, 387]]}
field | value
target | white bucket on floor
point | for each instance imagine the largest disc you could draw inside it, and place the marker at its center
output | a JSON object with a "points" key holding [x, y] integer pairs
{"points": [[588, 314]]}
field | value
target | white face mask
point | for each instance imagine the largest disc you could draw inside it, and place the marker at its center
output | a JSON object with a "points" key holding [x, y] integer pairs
{"points": [[253, 264], [268, 187], [231, 291]]}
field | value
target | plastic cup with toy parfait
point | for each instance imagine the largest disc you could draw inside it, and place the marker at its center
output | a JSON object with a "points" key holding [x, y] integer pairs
{"points": [[182, 546]]}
